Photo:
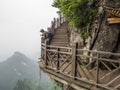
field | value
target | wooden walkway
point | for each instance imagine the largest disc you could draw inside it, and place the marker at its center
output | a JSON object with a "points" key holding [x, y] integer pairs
{"points": [[115, 15], [89, 69], [113, 11], [113, 20], [85, 68], [92, 70]]}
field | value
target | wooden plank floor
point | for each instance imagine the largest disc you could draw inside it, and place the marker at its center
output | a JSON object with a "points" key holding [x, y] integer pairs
{"points": [[113, 20]]}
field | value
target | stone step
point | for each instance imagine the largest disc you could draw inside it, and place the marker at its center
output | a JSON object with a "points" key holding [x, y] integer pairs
{"points": [[61, 30], [60, 36], [59, 40], [62, 27], [65, 24], [60, 33], [59, 45]]}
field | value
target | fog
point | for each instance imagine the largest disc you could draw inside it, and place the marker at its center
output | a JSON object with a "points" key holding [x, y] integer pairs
{"points": [[20, 22]]}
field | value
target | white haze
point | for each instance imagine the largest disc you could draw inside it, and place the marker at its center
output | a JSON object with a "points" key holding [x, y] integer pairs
{"points": [[20, 22]]}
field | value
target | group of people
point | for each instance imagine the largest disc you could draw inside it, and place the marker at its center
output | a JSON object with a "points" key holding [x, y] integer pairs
{"points": [[46, 36]]}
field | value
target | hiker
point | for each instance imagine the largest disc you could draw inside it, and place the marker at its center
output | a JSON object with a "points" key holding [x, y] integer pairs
{"points": [[49, 35], [46, 36]]}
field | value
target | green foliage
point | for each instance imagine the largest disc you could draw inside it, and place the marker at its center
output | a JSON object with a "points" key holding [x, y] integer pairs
{"points": [[77, 13]]}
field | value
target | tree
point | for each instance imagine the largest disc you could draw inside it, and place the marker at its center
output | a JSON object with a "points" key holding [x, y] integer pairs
{"points": [[79, 13]]}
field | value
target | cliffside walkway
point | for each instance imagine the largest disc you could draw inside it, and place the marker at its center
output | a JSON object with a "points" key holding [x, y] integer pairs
{"points": [[92, 70], [59, 30], [72, 66], [60, 36]]}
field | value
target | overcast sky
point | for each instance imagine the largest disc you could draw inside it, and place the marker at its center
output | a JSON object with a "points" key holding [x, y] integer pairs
{"points": [[20, 22]]}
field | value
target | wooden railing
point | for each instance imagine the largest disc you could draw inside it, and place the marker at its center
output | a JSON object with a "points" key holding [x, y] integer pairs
{"points": [[113, 11], [97, 68], [56, 23]]}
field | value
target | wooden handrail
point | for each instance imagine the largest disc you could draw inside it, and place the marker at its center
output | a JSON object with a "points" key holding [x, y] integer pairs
{"points": [[57, 58], [83, 50], [113, 11], [56, 23], [51, 46], [100, 52]]}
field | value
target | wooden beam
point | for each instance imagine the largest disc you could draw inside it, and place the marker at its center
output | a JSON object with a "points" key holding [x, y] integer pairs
{"points": [[41, 64], [58, 56], [58, 79], [78, 82], [66, 83], [73, 68], [113, 20], [78, 85], [45, 53]]}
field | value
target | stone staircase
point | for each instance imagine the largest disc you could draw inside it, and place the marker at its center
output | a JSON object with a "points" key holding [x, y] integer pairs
{"points": [[60, 37]]}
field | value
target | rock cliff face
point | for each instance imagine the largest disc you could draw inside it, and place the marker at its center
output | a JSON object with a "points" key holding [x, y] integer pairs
{"points": [[107, 36]]}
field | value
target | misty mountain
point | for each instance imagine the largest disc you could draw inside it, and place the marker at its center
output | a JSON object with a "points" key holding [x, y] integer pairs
{"points": [[34, 55], [20, 67]]}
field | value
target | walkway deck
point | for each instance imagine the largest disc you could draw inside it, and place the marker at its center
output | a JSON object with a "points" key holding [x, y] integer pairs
{"points": [[94, 70]]}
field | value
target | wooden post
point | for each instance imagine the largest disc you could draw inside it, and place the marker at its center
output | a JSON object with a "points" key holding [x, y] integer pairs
{"points": [[57, 22], [52, 27], [55, 26], [45, 53], [42, 49], [60, 19], [74, 59], [58, 56], [97, 70]]}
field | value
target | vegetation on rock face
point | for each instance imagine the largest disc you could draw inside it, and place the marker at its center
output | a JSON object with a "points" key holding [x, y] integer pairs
{"points": [[79, 13]]}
